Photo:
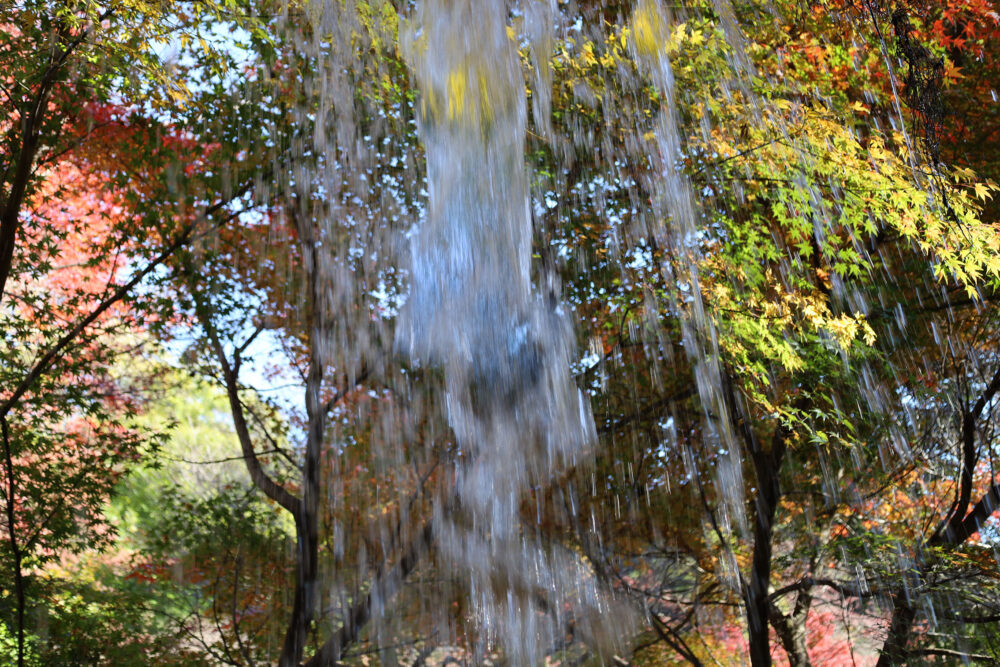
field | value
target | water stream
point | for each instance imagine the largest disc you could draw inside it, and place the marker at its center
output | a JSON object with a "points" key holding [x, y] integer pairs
{"points": [[504, 346]]}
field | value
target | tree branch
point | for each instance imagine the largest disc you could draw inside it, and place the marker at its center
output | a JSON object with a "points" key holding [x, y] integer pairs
{"points": [[57, 350], [960, 655], [258, 475], [954, 530]]}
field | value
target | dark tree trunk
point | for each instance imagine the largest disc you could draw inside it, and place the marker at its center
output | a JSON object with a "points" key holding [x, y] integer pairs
{"points": [[894, 649], [767, 465], [307, 522], [792, 633], [15, 549]]}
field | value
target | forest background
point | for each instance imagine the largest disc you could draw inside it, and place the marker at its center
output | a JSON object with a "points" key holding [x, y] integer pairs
{"points": [[213, 455]]}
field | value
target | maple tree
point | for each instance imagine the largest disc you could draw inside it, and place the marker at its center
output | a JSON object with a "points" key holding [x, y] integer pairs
{"points": [[74, 246]]}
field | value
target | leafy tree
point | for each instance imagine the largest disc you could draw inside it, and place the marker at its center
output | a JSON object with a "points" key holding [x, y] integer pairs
{"points": [[73, 243]]}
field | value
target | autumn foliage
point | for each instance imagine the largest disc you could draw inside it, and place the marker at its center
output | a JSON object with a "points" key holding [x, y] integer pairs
{"points": [[772, 227]]}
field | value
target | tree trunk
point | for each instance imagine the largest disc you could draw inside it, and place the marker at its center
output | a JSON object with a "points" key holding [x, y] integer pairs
{"points": [[894, 649], [307, 522], [792, 633], [16, 554], [307, 518], [766, 465]]}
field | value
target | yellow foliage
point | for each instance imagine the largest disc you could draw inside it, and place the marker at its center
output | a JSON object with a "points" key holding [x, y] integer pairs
{"points": [[649, 32]]}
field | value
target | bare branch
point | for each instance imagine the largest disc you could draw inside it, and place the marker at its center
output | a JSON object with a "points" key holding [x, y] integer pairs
{"points": [[960, 655]]}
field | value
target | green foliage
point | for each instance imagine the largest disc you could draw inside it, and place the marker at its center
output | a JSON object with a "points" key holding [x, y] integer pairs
{"points": [[8, 647]]}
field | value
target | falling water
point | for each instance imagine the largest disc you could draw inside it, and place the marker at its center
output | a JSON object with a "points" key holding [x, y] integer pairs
{"points": [[495, 325], [505, 347]]}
